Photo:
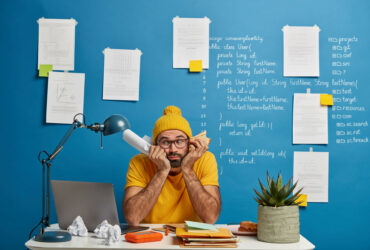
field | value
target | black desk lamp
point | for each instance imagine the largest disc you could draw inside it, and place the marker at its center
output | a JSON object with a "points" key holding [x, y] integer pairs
{"points": [[113, 124]]}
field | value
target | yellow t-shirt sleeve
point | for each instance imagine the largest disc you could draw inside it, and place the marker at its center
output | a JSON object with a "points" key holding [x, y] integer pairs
{"points": [[208, 173], [136, 173]]}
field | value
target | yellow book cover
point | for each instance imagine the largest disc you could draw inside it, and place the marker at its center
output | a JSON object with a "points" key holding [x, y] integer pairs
{"points": [[222, 233]]}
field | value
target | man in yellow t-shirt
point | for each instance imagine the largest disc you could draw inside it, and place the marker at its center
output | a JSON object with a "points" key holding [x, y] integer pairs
{"points": [[177, 181]]}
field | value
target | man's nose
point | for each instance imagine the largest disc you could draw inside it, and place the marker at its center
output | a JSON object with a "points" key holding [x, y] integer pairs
{"points": [[172, 147]]}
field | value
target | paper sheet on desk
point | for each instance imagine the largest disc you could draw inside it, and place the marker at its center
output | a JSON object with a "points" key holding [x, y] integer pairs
{"points": [[311, 169]]}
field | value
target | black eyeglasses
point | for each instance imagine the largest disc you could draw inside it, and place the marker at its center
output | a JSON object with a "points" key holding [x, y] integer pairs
{"points": [[179, 143]]}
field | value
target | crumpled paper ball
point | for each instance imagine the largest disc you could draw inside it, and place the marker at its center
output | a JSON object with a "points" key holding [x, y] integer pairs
{"points": [[108, 232], [78, 227]]}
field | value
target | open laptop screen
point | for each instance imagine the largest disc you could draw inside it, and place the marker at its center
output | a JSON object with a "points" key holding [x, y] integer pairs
{"points": [[93, 201]]}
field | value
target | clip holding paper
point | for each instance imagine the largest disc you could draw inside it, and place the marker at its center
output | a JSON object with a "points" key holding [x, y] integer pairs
{"points": [[38, 20], [308, 91], [139, 51], [74, 20], [209, 20], [105, 50], [310, 149], [175, 18], [317, 28]]}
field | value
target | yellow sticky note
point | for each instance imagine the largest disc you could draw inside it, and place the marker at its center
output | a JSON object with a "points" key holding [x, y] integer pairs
{"points": [[302, 198], [326, 99], [44, 70], [195, 66]]}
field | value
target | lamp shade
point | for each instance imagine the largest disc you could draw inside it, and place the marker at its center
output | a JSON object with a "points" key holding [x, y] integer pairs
{"points": [[114, 124]]}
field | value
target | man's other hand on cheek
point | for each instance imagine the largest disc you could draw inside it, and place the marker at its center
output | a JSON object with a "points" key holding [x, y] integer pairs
{"points": [[196, 149]]}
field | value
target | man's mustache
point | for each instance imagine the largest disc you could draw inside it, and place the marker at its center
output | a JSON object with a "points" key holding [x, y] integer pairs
{"points": [[174, 154]]}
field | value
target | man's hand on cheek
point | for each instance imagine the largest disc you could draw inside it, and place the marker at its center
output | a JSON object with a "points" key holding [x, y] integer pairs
{"points": [[158, 156], [196, 149]]}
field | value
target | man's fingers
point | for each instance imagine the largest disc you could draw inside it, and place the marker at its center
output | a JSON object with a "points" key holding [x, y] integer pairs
{"points": [[191, 147], [155, 152], [200, 146], [195, 143]]}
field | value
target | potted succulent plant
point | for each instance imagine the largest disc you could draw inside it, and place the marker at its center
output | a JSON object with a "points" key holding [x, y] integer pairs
{"points": [[278, 213]]}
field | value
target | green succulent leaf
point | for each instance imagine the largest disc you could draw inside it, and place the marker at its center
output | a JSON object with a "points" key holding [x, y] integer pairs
{"points": [[291, 189], [273, 188], [279, 182], [261, 202], [260, 197], [268, 180], [265, 192], [293, 198], [277, 194]]}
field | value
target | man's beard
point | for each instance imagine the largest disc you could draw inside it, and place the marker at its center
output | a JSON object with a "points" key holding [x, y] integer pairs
{"points": [[175, 163]]}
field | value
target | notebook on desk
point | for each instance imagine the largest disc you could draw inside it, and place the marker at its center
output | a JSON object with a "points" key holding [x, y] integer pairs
{"points": [[93, 201]]}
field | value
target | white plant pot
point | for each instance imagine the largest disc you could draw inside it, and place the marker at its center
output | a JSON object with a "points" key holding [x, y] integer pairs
{"points": [[278, 224]]}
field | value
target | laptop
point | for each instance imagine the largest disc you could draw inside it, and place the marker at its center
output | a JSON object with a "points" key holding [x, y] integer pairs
{"points": [[93, 201]]}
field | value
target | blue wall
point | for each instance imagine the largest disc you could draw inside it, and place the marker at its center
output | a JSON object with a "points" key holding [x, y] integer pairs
{"points": [[342, 223]]}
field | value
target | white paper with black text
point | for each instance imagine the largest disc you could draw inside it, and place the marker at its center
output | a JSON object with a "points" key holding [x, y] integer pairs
{"points": [[190, 41], [311, 170], [65, 97], [310, 120], [301, 51], [57, 43], [121, 74]]}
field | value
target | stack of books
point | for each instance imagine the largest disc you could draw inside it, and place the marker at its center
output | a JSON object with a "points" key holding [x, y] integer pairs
{"points": [[196, 234]]}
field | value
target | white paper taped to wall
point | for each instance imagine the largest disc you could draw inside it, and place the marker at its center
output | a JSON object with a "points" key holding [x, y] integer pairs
{"points": [[136, 141], [190, 41], [57, 43], [301, 51]]}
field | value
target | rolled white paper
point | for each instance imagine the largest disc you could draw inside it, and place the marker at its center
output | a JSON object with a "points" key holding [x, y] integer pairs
{"points": [[136, 141], [148, 139]]}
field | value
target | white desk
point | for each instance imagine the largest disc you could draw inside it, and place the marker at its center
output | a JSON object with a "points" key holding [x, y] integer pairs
{"points": [[168, 242]]}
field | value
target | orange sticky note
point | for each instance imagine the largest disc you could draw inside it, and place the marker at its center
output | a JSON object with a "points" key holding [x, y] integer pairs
{"points": [[195, 66], [326, 99], [303, 198]]}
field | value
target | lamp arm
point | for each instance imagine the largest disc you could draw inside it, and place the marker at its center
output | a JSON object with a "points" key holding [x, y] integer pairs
{"points": [[47, 162], [59, 147], [113, 124]]}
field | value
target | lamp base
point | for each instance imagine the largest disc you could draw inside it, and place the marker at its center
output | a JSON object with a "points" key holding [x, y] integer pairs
{"points": [[53, 236]]}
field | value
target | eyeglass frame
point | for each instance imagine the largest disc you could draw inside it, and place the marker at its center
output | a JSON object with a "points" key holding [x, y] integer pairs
{"points": [[173, 142]]}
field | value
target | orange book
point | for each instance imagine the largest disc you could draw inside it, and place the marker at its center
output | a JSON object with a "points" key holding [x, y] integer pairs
{"points": [[222, 233]]}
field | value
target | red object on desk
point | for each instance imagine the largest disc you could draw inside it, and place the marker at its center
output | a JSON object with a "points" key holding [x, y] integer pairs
{"points": [[143, 236]]}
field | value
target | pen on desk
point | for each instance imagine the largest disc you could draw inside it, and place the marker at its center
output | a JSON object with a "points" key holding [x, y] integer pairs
{"points": [[160, 229]]}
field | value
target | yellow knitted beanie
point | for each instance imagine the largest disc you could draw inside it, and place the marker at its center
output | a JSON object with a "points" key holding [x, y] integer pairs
{"points": [[171, 119]]}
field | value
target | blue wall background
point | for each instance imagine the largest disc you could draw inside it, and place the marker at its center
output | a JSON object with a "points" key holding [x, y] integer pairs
{"points": [[341, 224]]}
